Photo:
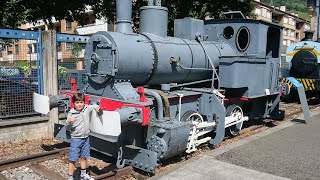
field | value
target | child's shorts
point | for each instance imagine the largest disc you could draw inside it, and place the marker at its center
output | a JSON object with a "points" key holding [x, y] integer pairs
{"points": [[79, 146]]}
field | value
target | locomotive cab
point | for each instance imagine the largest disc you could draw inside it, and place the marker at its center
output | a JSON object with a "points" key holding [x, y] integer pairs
{"points": [[254, 69]]}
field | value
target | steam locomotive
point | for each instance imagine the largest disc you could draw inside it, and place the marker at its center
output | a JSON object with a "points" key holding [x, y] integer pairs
{"points": [[163, 96], [303, 64]]}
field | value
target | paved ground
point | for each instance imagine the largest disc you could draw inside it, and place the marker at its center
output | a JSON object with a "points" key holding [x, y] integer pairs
{"points": [[288, 151], [293, 152]]}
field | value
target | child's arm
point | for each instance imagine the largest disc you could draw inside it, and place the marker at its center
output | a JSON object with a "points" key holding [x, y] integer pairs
{"points": [[96, 108], [69, 121]]}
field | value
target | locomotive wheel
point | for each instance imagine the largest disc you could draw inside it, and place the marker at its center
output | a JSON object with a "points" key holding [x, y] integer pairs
{"points": [[234, 111], [192, 117]]}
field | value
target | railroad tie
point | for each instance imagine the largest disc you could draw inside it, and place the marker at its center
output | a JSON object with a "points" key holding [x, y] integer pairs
{"points": [[45, 172]]}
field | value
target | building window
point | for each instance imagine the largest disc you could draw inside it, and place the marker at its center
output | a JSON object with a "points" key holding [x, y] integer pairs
{"points": [[0, 53], [291, 21], [69, 45], [16, 49], [284, 42], [292, 34], [68, 25], [58, 46], [285, 20], [269, 15], [264, 12], [9, 52], [288, 42], [58, 29], [306, 27], [258, 11], [83, 45], [34, 47], [285, 31]]}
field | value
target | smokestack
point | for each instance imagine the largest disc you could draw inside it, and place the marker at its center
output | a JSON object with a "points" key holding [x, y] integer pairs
{"points": [[123, 13], [308, 36]]}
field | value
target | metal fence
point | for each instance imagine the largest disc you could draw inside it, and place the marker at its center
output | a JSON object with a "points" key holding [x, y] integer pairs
{"points": [[20, 73], [21, 68], [70, 52]]}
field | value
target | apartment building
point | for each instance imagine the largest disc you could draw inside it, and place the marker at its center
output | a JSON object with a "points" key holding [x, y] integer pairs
{"points": [[27, 49], [294, 26]]}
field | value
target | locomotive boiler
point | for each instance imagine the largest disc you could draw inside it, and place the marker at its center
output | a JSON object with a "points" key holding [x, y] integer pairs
{"points": [[163, 96]]}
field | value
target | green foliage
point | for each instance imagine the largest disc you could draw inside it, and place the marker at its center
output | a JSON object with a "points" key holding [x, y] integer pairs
{"points": [[62, 69], [205, 8], [179, 9], [20, 63], [60, 9], [76, 48], [296, 6], [14, 12], [25, 65]]}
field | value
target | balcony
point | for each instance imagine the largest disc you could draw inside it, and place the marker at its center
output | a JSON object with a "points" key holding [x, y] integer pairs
{"points": [[92, 28], [39, 23]]}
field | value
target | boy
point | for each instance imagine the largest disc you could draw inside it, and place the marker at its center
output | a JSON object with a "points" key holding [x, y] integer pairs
{"points": [[78, 123]]}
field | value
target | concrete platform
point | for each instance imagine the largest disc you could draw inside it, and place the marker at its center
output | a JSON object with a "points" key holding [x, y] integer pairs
{"points": [[287, 151]]}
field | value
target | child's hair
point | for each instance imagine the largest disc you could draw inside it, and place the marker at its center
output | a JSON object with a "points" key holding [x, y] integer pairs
{"points": [[77, 97]]}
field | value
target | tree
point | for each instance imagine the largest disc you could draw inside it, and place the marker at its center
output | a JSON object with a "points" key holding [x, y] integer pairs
{"points": [[71, 10], [11, 16], [205, 8], [295, 6], [179, 8], [14, 12], [76, 48]]}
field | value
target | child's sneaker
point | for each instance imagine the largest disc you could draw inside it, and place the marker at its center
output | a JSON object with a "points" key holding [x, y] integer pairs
{"points": [[70, 177], [86, 177]]}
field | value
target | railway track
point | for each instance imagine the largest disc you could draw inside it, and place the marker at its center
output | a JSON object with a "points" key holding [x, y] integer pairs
{"points": [[32, 162], [32, 159]]}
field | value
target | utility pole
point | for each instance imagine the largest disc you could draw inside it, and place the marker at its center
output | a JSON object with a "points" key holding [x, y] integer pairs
{"points": [[313, 9], [317, 11]]}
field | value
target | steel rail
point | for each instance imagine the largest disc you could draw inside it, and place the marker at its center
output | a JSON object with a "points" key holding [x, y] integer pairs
{"points": [[32, 159]]}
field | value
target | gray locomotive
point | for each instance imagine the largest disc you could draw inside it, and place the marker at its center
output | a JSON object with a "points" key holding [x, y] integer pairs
{"points": [[163, 96]]}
